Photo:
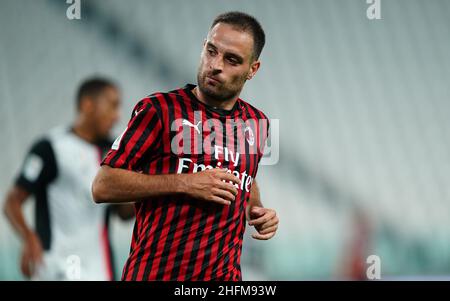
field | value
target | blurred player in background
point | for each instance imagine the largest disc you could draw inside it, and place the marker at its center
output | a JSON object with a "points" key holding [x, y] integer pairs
{"points": [[70, 240], [194, 197]]}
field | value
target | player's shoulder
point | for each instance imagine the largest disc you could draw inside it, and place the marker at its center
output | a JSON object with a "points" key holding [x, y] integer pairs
{"points": [[41, 145], [148, 103], [253, 111], [160, 100], [178, 94], [151, 99], [44, 145], [47, 139]]}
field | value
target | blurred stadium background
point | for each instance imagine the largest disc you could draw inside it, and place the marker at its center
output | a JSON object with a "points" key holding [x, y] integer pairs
{"points": [[363, 105]]}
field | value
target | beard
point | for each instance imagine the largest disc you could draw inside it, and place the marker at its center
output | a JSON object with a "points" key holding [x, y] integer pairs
{"points": [[220, 91]]}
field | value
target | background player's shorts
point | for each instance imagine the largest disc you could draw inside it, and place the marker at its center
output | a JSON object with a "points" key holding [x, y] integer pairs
{"points": [[68, 268]]}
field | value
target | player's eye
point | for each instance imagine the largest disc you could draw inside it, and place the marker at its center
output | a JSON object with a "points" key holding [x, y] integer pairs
{"points": [[233, 61], [211, 52]]}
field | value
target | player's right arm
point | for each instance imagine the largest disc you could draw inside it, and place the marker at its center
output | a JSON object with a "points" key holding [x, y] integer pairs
{"points": [[118, 182], [38, 170], [32, 248], [115, 185]]}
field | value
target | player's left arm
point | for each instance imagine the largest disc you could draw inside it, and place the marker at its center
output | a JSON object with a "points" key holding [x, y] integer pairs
{"points": [[264, 220]]}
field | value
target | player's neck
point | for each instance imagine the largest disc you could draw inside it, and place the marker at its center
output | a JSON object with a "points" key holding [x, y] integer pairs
{"points": [[224, 105], [84, 131]]}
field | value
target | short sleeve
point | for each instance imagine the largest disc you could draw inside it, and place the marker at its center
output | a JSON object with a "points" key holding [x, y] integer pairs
{"points": [[39, 167], [142, 136]]}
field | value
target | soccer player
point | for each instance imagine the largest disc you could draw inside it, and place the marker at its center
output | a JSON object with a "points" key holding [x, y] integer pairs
{"points": [[70, 237], [188, 160]]}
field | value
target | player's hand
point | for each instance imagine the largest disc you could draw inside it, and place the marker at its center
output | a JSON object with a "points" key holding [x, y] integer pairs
{"points": [[209, 186], [31, 255], [265, 221]]}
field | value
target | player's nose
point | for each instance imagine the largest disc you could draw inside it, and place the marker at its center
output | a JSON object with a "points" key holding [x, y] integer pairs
{"points": [[217, 64]]}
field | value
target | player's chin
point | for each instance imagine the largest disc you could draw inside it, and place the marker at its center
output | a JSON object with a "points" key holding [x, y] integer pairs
{"points": [[213, 92]]}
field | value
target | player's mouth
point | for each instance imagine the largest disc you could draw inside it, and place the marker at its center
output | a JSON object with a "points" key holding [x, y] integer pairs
{"points": [[213, 80]]}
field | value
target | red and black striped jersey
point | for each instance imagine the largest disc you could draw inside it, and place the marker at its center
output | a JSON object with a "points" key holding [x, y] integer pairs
{"points": [[177, 237]]}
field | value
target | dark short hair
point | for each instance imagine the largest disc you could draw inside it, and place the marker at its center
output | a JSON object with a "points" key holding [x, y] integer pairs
{"points": [[92, 87], [244, 22]]}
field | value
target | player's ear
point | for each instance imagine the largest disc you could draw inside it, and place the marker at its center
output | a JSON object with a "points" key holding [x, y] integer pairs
{"points": [[253, 69]]}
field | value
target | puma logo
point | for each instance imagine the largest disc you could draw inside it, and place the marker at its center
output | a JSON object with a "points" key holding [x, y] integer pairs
{"points": [[188, 123]]}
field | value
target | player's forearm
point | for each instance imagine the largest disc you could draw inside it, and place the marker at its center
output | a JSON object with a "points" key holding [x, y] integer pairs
{"points": [[13, 211], [115, 185]]}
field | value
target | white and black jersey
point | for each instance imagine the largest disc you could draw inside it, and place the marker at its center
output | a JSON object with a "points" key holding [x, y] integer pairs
{"points": [[58, 171]]}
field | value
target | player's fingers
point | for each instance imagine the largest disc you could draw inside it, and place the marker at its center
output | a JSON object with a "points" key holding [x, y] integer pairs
{"points": [[269, 230], [217, 171], [261, 220], [223, 194], [257, 212], [219, 200], [227, 186], [274, 221], [263, 236], [229, 177], [25, 266]]}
